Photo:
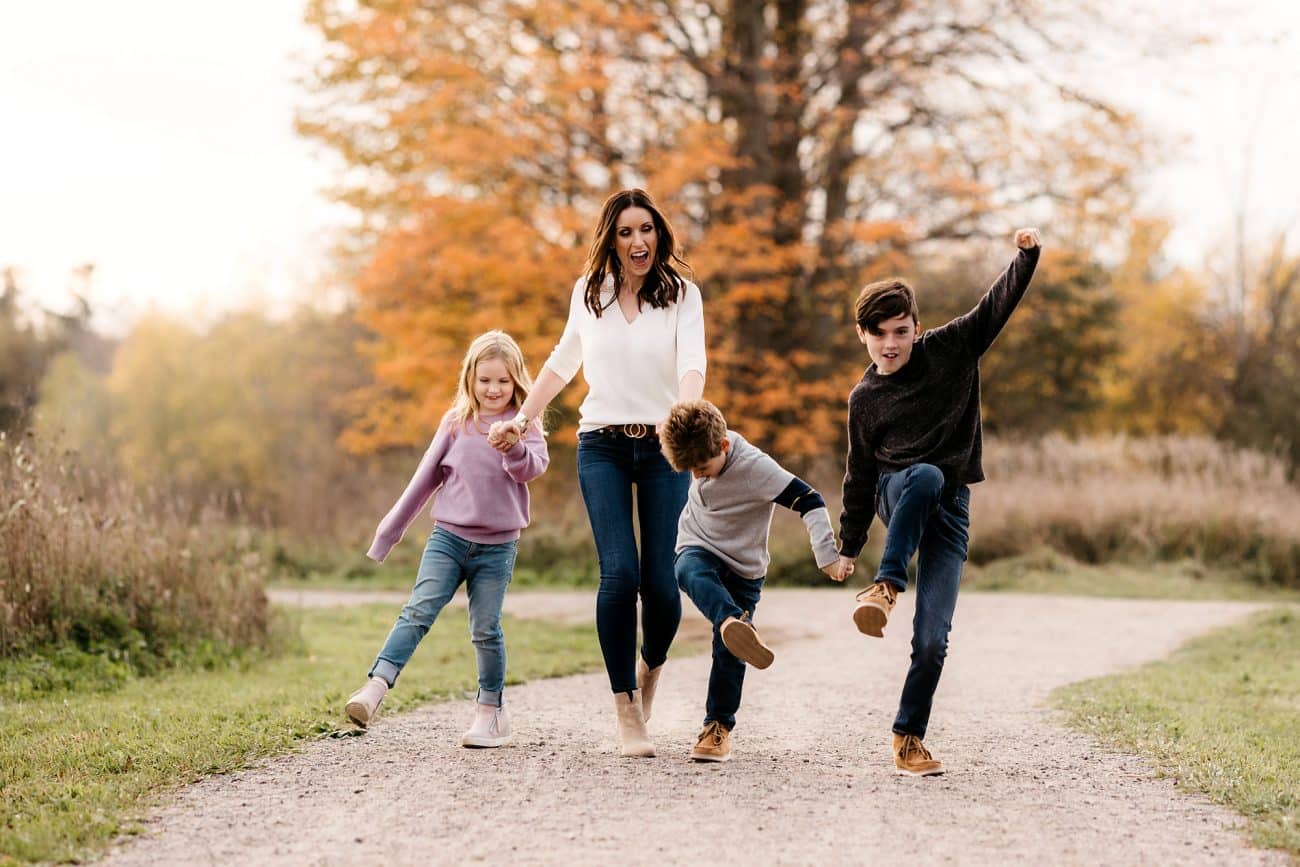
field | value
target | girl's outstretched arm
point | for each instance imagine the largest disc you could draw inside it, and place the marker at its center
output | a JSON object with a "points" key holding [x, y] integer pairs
{"points": [[428, 477]]}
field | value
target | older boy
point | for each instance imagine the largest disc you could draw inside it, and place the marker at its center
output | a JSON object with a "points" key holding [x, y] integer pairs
{"points": [[722, 554], [914, 447]]}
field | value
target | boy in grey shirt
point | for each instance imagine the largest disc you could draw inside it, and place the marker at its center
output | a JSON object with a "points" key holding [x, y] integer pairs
{"points": [[722, 554]]}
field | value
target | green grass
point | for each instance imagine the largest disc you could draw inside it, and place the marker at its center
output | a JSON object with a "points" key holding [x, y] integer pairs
{"points": [[1221, 716], [1047, 571], [85, 745]]}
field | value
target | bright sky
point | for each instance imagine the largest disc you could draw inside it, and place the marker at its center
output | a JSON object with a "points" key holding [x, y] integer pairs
{"points": [[154, 139]]}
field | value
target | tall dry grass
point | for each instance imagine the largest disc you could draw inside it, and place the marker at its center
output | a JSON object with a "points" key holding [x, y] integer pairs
{"points": [[1160, 498], [84, 561], [1107, 499]]}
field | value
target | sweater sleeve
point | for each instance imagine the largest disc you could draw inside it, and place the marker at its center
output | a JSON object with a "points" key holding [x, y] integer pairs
{"points": [[690, 332], [860, 476], [975, 331], [566, 358], [529, 457], [802, 498], [428, 477]]}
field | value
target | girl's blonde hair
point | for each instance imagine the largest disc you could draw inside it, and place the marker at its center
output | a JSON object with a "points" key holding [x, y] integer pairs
{"points": [[486, 347]]}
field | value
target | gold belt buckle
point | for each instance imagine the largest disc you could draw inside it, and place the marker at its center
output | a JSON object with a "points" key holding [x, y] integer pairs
{"points": [[636, 431]]}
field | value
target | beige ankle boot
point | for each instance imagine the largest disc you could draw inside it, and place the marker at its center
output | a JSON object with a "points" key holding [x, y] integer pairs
{"points": [[631, 725], [647, 680]]}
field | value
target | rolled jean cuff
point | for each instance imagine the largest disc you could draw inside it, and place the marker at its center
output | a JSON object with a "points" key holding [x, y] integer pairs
{"points": [[385, 669], [489, 697]]}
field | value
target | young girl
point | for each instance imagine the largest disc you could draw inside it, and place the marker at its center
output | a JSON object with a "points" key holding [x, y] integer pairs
{"points": [[482, 505]]}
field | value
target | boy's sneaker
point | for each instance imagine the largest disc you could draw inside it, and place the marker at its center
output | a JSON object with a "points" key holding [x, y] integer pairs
{"points": [[491, 727], [364, 703], [741, 638], [912, 759], [874, 605], [713, 744]]}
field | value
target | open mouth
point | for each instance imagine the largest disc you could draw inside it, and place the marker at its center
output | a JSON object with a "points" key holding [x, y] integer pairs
{"points": [[641, 258]]}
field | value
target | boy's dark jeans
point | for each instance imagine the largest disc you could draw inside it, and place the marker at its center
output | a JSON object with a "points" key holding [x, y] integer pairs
{"points": [[922, 520], [719, 593]]}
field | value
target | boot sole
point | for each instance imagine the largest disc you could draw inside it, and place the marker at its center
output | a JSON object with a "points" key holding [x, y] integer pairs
{"points": [[870, 619], [697, 757], [356, 712], [745, 645], [639, 754], [476, 743], [903, 772]]}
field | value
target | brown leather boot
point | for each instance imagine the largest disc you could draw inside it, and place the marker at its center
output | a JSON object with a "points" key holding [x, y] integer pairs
{"points": [[912, 759], [742, 639], [874, 605], [631, 725], [713, 744]]}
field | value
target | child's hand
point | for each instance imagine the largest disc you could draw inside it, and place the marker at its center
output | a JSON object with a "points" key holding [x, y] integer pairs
{"points": [[503, 435], [1027, 239], [838, 570]]}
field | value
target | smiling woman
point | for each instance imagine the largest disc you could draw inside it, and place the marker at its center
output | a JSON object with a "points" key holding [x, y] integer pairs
{"points": [[638, 361]]}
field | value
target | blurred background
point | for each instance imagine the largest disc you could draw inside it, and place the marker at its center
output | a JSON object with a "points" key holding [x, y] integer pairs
{"points": [[244, 248]]}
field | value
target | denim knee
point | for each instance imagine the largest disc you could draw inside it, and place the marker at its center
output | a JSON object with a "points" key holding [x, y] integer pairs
{"points": [[926, 478], [929, 650]]}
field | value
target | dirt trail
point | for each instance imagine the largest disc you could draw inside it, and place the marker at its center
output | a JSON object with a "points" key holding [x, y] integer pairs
{"points": [[811, 782]]}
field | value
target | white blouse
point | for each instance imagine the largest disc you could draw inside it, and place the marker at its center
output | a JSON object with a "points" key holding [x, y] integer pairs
{"points": [[633, 368]]}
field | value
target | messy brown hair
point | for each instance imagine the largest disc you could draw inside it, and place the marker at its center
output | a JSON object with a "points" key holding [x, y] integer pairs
{"points": [[884, 299], [693, 434]]}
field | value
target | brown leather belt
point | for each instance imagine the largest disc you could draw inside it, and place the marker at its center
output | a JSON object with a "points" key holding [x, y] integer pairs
{"points": [[632, 431]]}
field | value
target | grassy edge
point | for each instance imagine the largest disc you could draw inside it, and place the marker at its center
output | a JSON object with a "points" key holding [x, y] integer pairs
{"points": [[82, 767], [1219, 717]]}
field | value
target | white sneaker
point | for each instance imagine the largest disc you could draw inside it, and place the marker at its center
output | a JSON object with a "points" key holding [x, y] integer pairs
{"points": [[491, 727], [364, 703]]}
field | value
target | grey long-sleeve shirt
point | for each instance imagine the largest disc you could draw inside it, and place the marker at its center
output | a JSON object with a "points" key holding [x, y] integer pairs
{"points": [[731, 513], [928, 411]]}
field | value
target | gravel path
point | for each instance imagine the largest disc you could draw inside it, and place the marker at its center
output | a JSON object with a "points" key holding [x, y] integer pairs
{"points": [[810, 783]]}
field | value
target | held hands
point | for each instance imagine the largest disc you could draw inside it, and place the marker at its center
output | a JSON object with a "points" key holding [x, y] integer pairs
{"points": [[503, 435], [1027, 239], [840, 569]]}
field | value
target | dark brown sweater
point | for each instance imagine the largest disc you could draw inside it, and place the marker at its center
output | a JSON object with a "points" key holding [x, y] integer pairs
{"points": [[928, 412]]}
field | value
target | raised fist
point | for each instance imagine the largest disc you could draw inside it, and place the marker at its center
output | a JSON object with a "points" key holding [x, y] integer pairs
{"points": [[1027, 239]]}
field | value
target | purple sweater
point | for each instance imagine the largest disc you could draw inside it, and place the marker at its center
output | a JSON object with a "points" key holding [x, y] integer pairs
{"points": [[482, 494]]}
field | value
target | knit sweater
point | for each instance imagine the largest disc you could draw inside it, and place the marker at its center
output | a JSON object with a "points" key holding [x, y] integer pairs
{"points": [[928, 412], [634, 369], [482, 493]]}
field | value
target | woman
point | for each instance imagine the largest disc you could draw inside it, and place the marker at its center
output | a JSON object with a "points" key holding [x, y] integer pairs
{"points": [[636, 327]]}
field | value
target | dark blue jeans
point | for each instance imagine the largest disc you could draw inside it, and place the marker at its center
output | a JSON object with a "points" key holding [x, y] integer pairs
{"points": [[609, 464], [923, 520], [719, 593]]}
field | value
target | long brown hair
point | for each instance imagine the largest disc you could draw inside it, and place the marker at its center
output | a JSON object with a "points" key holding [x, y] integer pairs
{"points": [[663, 284]]}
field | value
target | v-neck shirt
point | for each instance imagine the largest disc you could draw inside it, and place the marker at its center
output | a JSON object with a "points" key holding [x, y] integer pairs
{"points": [[633, 369]]}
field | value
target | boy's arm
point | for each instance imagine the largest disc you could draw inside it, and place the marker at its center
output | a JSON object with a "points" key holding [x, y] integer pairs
{"points": [[975, 331], [528, 458], [860, 474], [800, 497], [427, 478]]}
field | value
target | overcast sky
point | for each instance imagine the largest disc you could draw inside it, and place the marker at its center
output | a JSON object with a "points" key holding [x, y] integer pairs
{"points": [[154, 139]]}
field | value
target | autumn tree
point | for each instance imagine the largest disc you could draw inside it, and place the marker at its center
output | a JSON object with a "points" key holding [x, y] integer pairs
{"points": [[802, 147]]}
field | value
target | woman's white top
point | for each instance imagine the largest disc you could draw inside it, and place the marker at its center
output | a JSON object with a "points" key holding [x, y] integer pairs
{"points": [[633, 368]]}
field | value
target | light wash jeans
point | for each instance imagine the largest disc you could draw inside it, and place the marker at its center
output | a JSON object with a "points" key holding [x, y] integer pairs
{"points": [[485, 570]]}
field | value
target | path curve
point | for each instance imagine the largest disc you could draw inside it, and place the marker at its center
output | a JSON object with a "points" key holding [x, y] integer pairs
{"points": [[811, 782]]}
